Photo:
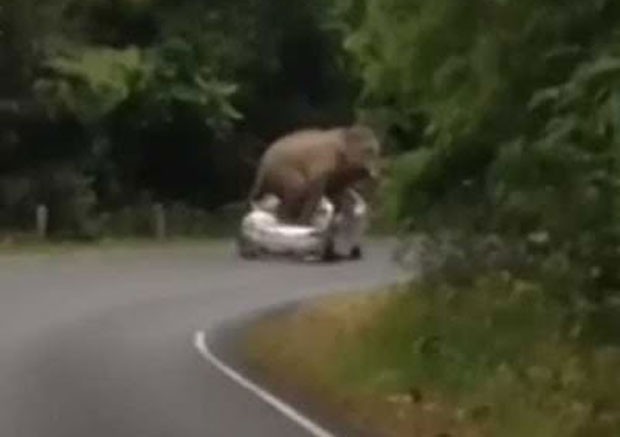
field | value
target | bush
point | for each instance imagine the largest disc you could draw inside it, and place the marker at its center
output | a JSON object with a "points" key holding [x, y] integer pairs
{"points": [[66, 192], [181, 221], [506, 149], [17, 203], [71, 202]]}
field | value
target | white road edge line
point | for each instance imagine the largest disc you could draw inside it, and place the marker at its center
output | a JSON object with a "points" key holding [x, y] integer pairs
{"points": [[200, 343]]}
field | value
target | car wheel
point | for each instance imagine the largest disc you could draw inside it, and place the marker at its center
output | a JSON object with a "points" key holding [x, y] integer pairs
{"points": [[246, 249], [356, 253], [329, 253]]}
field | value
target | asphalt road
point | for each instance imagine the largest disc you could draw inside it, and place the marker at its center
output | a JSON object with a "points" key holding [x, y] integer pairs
{"points": [[99, 343]]}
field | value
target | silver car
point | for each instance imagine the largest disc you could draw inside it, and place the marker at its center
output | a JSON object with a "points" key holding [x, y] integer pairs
{"points": [[330, 236]]}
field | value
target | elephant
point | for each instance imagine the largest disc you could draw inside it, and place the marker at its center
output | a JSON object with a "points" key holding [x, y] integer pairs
{"points": [[302, 167]]}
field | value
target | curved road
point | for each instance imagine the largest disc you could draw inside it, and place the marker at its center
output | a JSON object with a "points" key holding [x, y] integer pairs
{"points": [[99, 343]]}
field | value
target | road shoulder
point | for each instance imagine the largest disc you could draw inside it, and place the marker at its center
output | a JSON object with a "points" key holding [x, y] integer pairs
{"points": [[228, 343]]}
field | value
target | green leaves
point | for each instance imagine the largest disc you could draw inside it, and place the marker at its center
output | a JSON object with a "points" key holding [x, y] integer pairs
{"points": [[522, 98], [91, 82], [181, 77], [602, 70]]}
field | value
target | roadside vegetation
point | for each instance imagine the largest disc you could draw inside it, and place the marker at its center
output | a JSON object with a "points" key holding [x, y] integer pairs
{"points": [[492, 359]]}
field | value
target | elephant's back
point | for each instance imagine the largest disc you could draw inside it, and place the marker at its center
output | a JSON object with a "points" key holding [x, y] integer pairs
{"points": [[302, 147]]}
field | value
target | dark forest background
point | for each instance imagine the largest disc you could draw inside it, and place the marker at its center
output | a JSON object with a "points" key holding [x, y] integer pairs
{"points": [[109, 105]]}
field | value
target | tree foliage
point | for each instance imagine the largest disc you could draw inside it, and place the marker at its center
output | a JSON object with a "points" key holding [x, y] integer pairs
{"points": [[519, 120], [176, 99]]}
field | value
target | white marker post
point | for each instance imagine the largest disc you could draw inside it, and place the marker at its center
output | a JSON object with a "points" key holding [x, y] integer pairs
{"points": [[42, 221]]}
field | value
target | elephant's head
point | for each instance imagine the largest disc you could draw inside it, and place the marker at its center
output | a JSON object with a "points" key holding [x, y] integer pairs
{"points": [[361, 153]]}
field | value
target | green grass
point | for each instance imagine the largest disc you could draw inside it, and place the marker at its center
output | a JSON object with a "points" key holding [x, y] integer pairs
{"points": [[494, 359], [499, 352], [42, 247], [129, 232]]}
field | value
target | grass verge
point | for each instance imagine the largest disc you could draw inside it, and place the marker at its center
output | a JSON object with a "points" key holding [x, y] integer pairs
{"points": [[493, 359], [34, 246]]}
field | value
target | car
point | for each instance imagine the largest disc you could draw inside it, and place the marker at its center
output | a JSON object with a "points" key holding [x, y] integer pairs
{"points": [[330, 236]]}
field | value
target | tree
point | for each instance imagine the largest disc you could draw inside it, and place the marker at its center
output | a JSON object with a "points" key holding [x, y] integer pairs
{"points": [[173, 98], [518, 122]]}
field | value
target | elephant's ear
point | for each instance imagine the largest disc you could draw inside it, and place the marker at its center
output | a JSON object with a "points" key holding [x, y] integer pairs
{"points": [[358, 144], [358, 133]]}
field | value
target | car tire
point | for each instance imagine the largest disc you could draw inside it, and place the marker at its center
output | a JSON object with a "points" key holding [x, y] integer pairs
{"points": [[245, 249], [329, 253], [356, 253]]}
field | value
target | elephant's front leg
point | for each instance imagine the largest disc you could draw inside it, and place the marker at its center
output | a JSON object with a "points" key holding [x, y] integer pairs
{"points": [[293, 201], [314, 194]]}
